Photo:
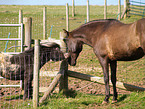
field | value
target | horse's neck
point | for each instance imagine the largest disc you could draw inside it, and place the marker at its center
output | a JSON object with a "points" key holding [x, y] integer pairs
{"points": [[83, 38]]}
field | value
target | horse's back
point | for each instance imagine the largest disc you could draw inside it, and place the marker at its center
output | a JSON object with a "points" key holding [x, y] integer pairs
{"points": [[123, 41]]}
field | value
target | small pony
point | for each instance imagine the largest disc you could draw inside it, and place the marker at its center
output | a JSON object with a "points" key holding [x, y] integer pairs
{"points": [[20, 66]]}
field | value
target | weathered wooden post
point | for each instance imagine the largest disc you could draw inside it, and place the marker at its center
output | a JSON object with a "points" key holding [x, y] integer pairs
{"points": [[126, 8], [63, 84], [105, 10], [44, 23], [36, 74], [20, 21], [28, 31], [119, 9], [88, 11], [73, 8], [62, 44], [67, 17]]}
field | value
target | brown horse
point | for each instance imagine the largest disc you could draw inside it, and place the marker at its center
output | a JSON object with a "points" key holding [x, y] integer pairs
{"points": [[112, 41]]}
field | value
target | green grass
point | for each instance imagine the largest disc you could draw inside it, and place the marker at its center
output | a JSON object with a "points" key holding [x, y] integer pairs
{"points": [[130, 72], [82, 101], [76, 100]]}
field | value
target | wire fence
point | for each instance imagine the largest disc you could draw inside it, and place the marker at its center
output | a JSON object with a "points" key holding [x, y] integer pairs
{"points": [[137, 7], [20, 67]]}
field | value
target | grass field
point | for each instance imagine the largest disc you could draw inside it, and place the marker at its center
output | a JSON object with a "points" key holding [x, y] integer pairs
{"points": [[130, 72]]}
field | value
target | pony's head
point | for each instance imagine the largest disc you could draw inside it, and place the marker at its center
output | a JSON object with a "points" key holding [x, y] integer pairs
{"points": [[51, 52], [74, 47]]}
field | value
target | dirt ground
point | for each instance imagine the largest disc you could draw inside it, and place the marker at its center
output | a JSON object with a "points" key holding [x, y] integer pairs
{"points": [[74, 84]]}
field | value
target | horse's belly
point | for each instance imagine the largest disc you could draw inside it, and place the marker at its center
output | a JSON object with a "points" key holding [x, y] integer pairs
{"points": [[129, 55]]}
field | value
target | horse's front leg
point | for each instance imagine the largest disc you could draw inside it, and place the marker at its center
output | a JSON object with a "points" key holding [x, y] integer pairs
{"points": [[26, 78], [113, 66], [25, 89], [30, 88], [104, 63]]}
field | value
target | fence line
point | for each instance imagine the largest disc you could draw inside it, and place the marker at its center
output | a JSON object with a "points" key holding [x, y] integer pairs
{"points": [[137, 8], [16, 39], [27, 26], [133, 7]]}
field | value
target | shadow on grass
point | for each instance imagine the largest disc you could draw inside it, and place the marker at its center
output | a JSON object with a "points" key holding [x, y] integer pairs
{"points": [[70, 94], [8, 98], [122, 98]]}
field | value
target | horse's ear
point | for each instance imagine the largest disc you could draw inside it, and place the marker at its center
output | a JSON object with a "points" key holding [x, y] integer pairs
{"points": [[66, 33]]}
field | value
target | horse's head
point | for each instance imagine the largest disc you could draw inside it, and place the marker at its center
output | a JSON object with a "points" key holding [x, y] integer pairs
{"points": [[51, 52], [74, 47]]}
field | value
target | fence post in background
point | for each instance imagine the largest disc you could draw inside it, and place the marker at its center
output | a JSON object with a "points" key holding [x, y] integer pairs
{"points": [[28, 31], [20, 21], [36, 74], [67, 17], [119, 9], [44, 23], [62, 44], [105, 10], [73, 8], [126, 7], [88, 11]]}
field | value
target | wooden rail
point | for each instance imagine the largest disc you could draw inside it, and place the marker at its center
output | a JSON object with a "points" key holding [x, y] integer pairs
{"points": [[100, 80]]}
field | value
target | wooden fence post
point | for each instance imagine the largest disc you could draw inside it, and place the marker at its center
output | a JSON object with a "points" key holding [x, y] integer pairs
{"points": [[119, 9], [63, 84], [62, 44], [126, 7], [20, 21], [73, 8], [36, 74], [88, 11], [28, 31], [105, 10], [44, 23], [67, 17]]}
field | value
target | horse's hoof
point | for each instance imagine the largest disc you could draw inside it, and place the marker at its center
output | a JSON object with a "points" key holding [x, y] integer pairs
{"points": [[105, 102], [114, 101]]}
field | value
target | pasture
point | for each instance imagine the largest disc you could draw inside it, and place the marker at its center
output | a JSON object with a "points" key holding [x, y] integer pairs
{"points": [[82, 94]]}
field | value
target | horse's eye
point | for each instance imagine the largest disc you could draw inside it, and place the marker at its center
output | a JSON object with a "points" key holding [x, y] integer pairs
{"points": [[65, 39]]}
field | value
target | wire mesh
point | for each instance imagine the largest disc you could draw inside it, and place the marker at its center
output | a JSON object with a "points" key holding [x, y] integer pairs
{"points": [[20, 67]]}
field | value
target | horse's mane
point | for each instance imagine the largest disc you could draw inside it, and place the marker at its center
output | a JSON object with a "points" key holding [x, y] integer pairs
{"points": [[52, 45], [100, 21], [95, 22], [42, 47]]}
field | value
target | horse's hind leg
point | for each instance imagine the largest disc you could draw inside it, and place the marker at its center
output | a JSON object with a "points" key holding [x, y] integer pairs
{"points": [[113, 66]]}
